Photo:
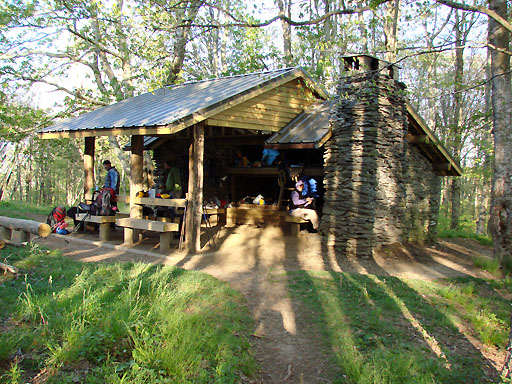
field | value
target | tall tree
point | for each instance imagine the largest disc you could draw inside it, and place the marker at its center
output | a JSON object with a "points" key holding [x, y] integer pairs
{"points": [[285, 10]]}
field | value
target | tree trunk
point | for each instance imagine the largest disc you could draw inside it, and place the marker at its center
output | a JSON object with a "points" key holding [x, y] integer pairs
{"points": [[195, 190], [391, 29], [483, 202], [362, 29], [89, 167], [501, 196], [457, 116], [181, 39], [284, 10]]}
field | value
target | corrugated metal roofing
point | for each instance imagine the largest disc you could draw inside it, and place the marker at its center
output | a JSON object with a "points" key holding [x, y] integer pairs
{"points": [[310, 127], [171, 104]]}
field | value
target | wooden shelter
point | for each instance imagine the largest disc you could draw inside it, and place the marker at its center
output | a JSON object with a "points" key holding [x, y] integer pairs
{"points": [[286, 103], [260, 102]]}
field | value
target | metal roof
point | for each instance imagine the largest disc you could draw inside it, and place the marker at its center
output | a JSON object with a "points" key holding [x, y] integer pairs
{"points": [[310, 129], [171, 104]]}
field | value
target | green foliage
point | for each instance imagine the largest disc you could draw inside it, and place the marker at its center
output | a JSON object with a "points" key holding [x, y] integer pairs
{"points": [[120, 323], [489, 265], [388, 330], [466, 229]]}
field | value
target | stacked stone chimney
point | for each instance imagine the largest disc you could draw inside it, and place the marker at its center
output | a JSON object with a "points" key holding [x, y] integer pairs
{"points": [[370, 194]]}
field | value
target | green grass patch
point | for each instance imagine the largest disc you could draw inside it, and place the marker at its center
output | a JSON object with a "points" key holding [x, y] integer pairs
{"points": [[490, 265], [454, 234], [119, 323], [22, 210], [388, 330], [466, 230]]}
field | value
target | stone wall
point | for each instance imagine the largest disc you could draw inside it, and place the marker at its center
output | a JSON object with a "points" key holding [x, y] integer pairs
{"points": [[378, 189]]}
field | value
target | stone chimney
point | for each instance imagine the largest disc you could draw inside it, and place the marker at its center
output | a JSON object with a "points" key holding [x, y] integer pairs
{"points": [[365, 160]]}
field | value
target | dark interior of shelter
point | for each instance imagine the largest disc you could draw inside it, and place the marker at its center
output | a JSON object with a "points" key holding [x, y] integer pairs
{"points": [[234, 172]]}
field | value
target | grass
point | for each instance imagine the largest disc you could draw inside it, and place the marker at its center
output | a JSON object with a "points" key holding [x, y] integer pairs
{"points": [[388, 330], [466, 230], [16, 209], [118, 323]]}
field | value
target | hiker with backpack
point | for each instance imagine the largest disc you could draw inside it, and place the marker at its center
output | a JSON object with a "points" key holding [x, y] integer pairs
{"points": [[112, 182]]}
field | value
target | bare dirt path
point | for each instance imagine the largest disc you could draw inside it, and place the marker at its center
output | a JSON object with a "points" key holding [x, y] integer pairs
{"points": [[254, 261]]}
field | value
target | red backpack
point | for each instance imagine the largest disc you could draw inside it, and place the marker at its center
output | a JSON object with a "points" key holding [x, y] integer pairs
{"points": [[56, 217]]}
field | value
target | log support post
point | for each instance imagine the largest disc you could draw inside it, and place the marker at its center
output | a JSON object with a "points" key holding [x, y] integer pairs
{"points": [[195, 189], [165, 241], [89, 168], [105, 231], [5, 233], [132, 235], [23, 236]]}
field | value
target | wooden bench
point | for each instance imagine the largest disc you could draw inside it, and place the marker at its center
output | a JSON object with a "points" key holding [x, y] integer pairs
{"points": [[219, 212], [295, 223], [103, 221], [165, 229]]}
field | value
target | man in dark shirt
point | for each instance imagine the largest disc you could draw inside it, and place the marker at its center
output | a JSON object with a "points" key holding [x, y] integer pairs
{"points": [[112, 180]]}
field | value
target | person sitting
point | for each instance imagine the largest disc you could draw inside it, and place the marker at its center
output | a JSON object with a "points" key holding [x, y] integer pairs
{"points": [[303, 207]]}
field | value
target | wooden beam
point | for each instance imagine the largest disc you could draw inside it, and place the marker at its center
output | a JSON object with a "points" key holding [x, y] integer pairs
{"points": [[136, 169], [284, 101], [291, 146], [89, 167], [443, 167], [258, 113], [422, 139], [271, 107], [251, 119], [242, 125], [263, 109], [456, 169], [195, 190]]}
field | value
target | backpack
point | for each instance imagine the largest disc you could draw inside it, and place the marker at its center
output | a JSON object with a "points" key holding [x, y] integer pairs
{"points": [[102, 204], [56, 217]]}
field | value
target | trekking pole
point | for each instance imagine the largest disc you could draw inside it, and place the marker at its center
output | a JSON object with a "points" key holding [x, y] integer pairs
{"points": [[77, 227], [209, 229], [182, 232]]}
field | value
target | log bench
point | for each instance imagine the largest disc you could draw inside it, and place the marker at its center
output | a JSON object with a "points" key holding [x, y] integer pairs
{"points": [[103, 221], [23, 228], [164, 228], [295, 223]]}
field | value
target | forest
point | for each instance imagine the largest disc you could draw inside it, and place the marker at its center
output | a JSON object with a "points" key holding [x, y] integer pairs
{"points": [[61, 58]]}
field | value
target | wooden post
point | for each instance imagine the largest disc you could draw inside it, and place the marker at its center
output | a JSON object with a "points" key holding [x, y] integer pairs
{"points": [[5, 233], [136, 166], [89, 167], [105, 232], [23, 236], [195, 189]]}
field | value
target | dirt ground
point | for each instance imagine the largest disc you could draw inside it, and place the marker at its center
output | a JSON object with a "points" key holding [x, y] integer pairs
{"points": [[253, 260]]}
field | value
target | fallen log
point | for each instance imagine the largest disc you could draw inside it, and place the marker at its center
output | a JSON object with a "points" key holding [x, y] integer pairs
{"points": [[14, 243], [34, 227], [9, 268]]}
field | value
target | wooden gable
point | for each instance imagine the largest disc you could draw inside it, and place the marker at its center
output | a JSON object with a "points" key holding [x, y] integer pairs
{"points": [[269, 111]]}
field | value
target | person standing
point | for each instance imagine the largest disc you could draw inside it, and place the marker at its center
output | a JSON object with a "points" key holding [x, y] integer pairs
{"points": [[112, 180], [173, 184]]}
